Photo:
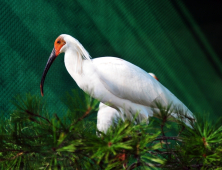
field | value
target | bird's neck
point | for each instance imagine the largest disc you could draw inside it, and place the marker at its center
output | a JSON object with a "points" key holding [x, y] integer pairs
{"points": [[73, 62]]}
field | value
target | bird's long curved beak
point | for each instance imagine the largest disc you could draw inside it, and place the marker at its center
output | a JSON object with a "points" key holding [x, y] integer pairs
{"points": [[49, 63]]}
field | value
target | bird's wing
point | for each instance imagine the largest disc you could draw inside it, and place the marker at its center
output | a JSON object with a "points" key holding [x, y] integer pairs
{"points": [[130, 82]]}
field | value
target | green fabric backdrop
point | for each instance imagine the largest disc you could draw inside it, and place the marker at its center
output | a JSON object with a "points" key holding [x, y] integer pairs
{"points": [[158, 36]]}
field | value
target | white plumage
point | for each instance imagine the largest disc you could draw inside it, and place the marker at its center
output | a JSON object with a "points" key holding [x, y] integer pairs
{"points": [[112, 80], [107, 115]]}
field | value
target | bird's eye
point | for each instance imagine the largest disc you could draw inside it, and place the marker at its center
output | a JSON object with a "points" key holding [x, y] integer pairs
{"points": [[58, 42]]}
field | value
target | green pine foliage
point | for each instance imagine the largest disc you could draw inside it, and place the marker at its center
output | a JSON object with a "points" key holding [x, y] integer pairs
{"points": [[33, 138]]}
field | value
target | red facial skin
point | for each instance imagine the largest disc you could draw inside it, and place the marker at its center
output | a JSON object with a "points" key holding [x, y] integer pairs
{"points": [[59, 43]]}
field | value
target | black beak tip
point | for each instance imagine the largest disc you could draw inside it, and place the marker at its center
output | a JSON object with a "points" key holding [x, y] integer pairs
{"points": [[41, 90]]}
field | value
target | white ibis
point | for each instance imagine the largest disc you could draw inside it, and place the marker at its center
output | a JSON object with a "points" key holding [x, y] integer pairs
{"points": [[112, 80], [106, 115]]}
